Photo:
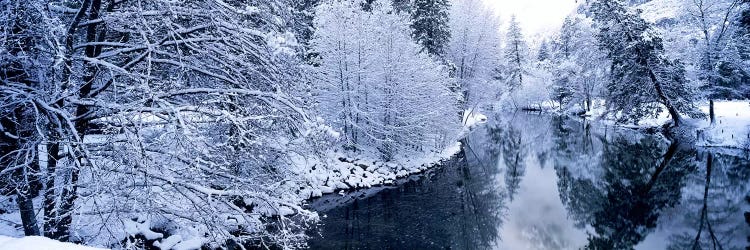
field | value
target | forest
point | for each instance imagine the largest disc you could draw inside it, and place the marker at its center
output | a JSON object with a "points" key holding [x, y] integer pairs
{"points": [[213, 124]]}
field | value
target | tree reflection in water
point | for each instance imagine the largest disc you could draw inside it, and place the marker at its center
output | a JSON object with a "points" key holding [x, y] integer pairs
{"points": [[453, 207], [619, 187], [711, 215], [640, 180]]}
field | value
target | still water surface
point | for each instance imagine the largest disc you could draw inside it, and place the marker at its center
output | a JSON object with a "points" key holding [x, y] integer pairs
{"points": [[531, 181]]}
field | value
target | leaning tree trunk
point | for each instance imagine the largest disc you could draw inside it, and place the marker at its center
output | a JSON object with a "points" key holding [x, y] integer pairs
{"points": [[671, 151], [676, 118]]}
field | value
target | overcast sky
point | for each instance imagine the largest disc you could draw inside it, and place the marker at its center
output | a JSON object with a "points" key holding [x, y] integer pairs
{"points": [[535, 16]]}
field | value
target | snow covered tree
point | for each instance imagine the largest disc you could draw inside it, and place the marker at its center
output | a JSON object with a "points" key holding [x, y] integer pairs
{"points": [[720, 64], [579, 66], [21, 57], [516, 52], [402, 6], [304, 12], [543, 53], [475, 51], [644, 80], [563, 84], [376, 86], [567, 34], [429, 23], [190, 101]]}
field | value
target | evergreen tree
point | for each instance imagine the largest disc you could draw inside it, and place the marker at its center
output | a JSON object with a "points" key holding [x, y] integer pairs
{"points": [[515, 53], [644, 80], [567, 34], [430, 25], [543, 54]]}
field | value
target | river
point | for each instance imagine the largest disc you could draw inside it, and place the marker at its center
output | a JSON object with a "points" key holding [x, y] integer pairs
{"points": [[529, 181]]}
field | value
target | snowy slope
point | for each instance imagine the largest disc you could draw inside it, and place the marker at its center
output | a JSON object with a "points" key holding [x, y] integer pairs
{"points": [[659, 11]]}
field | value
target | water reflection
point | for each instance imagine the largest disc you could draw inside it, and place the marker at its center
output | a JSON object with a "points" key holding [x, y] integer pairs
{"points": [[538, 182]]}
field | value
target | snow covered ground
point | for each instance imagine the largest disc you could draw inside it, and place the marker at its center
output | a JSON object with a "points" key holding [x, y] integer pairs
{"points": [[39, 243], [731, 130], [731, 127], [473, 118]]}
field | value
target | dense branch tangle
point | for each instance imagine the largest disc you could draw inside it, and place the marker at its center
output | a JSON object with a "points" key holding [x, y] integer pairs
{"points": [[189, 92]]}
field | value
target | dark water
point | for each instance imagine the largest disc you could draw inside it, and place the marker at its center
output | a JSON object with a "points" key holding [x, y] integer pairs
{"points": [[539, 182]]}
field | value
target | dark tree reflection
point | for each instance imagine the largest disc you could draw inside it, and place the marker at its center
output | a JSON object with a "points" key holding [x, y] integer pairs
{"points": [[514, 155], [454, 207], [640, 180], [615, 186], [713, 213]]}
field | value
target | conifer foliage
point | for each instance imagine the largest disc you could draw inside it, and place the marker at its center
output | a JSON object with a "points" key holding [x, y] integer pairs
{"points": [[644, 80], [430, 25], [516, 52]]}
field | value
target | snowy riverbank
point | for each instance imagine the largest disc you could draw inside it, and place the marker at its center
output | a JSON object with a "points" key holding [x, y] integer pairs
{"points": [[314, 176], [731, 130], [343, 171]]}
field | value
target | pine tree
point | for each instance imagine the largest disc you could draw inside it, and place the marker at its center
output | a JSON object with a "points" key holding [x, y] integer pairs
{"points": [[567, 34], [515, 53], [430, 25], [543, 54], [644, 80]]}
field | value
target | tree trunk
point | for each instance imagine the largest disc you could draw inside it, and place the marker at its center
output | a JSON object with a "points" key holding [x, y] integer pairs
{"points": [[70, 193], [665, 100], [27, 174], [50, 203], [57, 227], [711, 114], [28, 216], [23, 178]]}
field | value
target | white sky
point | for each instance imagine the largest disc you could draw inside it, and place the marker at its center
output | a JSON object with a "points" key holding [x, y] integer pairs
{"points": [[535, 16]]}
